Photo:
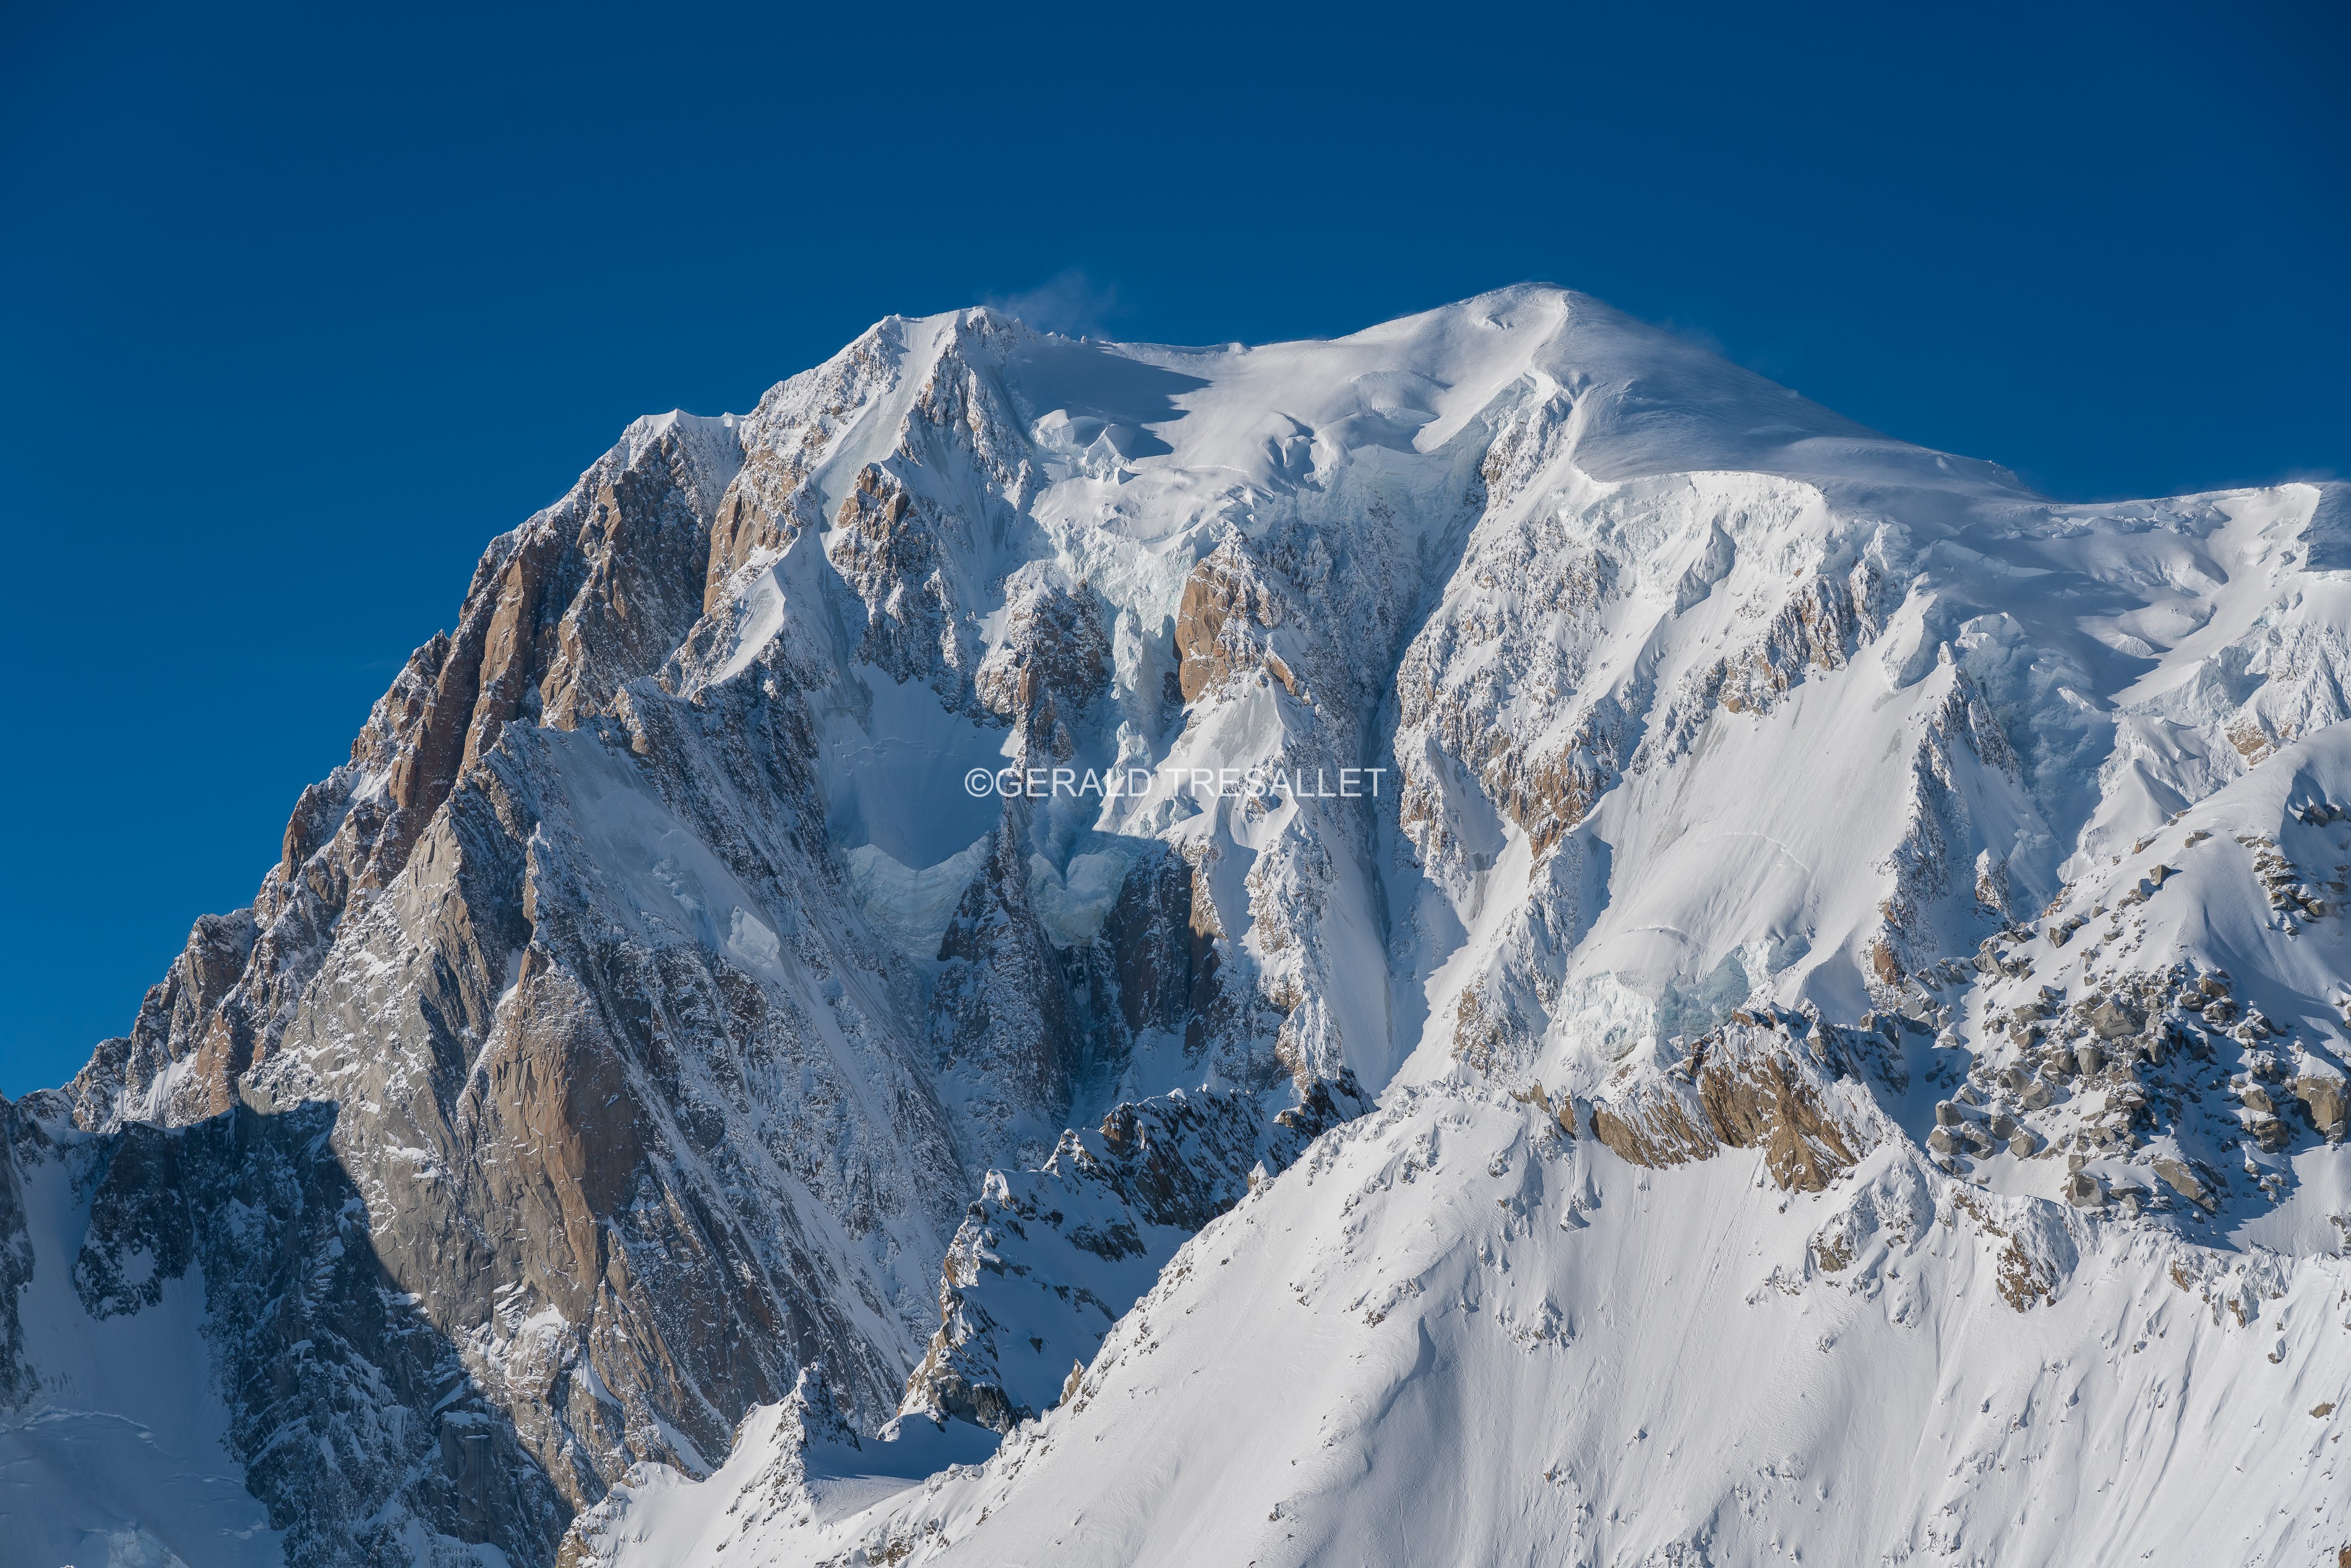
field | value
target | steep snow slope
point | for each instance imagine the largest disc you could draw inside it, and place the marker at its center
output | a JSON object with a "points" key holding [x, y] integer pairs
{"points": [[1453, 1334], [1508, 707]]}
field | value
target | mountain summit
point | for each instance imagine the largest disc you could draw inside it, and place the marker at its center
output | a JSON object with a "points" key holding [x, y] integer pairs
{"points": [[1490, 940]]}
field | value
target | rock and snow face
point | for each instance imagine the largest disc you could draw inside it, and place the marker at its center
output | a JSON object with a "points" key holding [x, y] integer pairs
{"points": [[1608, 965], [1451, 1333]]}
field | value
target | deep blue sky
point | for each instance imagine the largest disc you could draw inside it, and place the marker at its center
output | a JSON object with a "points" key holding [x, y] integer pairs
{"points": [[299, 305]]}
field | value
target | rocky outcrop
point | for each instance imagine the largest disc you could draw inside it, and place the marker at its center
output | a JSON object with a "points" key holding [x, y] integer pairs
{"points": [[356, 1419], [588, 595], [1816, 630], [1044, 1261], [1049, 670], [1940, 903], [1512, 641], [2323, 1096], [2181, 1179], [785, 442], [886, 547], [1161, 940], [18, 1376], [610, 1144], [1228, 606], [1004, 1030], [1742, 1086]]}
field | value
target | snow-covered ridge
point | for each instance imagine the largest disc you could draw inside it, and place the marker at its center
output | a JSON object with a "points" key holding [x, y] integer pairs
{"points": [[1766, 802]]}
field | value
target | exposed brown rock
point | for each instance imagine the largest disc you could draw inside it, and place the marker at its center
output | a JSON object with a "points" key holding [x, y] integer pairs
{"points": [[1223, 599], [588, 595], [775, 499], [1163, 937], [883, 547], [1563, 1113], [2114, 1019], [1051, 665], [2182, 1179], [2022, 1283], [1545, 778], [2321, 1094], [1742, 1093]]}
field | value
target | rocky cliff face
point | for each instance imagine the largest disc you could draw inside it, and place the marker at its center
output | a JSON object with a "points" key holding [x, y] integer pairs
{"points": [[1510, 709]]}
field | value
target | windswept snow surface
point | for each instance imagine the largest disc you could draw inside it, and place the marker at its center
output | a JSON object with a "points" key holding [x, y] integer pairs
{"points": [[1451, 1335]]}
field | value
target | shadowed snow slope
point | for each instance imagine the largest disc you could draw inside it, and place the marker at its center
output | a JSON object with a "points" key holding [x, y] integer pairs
{"points": [[1603, 965]]}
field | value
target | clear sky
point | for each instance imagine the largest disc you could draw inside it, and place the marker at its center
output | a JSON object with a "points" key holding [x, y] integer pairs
{"points": [[301, 304]]}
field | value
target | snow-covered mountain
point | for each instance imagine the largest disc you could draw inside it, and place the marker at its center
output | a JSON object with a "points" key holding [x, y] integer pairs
{"points": [[1492, 940]]}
